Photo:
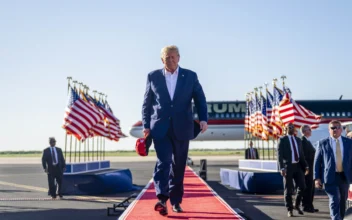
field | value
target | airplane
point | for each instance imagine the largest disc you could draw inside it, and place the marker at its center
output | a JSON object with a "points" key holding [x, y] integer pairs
{"points": [[226, 119]]}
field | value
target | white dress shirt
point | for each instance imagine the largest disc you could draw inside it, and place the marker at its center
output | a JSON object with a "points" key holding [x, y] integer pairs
{"points": [[252, 153], [53, 149], [333, 145], [171, 80], [290, 137]]}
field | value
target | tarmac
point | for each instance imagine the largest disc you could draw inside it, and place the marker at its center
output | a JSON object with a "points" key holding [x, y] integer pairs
{"points": [[23, 192]]}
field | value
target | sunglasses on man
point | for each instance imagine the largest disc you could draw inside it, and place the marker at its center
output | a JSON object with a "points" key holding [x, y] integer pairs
{"points": [[335, 127]]}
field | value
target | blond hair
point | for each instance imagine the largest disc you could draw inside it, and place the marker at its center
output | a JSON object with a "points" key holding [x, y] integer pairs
{"points": [[167, 49], [335, 122]]}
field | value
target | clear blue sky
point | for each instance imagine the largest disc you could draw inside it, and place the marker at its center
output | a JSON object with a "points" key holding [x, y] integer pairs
{"points": [[234, 46]]}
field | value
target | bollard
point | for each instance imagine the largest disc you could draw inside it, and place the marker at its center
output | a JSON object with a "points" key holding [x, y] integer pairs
{"points": [[203, 169]]}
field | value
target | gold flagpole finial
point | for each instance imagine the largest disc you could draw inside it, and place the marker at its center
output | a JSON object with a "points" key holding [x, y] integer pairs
{"points": [[283, 77], [266, 86], [274, 81]]}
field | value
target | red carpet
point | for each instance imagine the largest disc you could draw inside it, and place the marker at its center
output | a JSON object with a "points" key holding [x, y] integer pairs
{"points": [[199, 202]]}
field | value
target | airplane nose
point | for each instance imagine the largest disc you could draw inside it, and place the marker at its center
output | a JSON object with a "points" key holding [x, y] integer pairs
{"points": [[137, 130]]}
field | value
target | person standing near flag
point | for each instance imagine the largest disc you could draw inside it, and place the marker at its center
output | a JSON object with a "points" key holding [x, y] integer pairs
{"points": [[251, 153], [291, 163], [54, 166], [167, 116]]}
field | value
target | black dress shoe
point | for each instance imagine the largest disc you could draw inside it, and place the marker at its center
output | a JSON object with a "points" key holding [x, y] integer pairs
{"points": [[299, 210], [310, 210], [177, 208], [290, 214], [315, 210], [161, 208]]}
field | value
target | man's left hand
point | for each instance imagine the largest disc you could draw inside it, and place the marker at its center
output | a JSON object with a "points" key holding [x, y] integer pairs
{"points": [[203, 126]]}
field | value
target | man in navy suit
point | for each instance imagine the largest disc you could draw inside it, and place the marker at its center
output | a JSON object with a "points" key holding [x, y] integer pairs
{"points": [[168, 118], [54, 165], [292, 163], [333, 168]]}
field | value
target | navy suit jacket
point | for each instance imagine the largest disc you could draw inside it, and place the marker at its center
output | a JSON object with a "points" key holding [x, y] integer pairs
{"points": [[324, 161], [158, 108], [47, 160]]}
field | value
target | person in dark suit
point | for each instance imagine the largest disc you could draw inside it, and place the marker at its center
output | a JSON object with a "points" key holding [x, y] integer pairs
{"points": [[54, 165], [333, 168], [251, 153], [291, 162], [309, 152], [167, 116]]}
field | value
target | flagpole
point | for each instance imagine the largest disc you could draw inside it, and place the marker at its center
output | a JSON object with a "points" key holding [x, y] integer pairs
{"points": [[106, 97], [93, 148], [75, 148], [101, 139], [275, 132], [71, 148], [85, 90], [74, 83], [68, 91]]}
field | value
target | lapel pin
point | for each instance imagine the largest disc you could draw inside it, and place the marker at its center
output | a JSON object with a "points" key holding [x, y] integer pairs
{"points": [[183, 75]]}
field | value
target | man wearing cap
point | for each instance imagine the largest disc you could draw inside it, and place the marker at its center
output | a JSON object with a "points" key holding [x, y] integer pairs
{"points": [[54, 165], [168, 118]]}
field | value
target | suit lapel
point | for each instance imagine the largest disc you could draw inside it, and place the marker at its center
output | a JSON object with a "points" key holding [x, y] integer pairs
{"points": [[345, 149], [163, 83], [179, 83]]}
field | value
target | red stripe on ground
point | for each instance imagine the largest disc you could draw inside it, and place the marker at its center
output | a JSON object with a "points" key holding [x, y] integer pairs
{"points": [[199, 202]]}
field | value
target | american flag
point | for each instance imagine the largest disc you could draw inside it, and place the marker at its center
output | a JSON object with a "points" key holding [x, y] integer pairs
{"points": [[80, 116], [258, 115], [292, 112], [112, 121], [275, 119], [109, 126], [269, 108], [265, 132], [252, 109], [246, 119]]}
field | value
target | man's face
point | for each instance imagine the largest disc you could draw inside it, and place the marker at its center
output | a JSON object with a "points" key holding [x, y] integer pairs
{"points": [[170, 60], [308, 132], [52, 143], [290, 129], [335, 130], [251, 144]]}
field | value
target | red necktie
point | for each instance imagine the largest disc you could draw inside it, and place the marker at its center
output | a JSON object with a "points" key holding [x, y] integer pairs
{"points": [[294, 149]]}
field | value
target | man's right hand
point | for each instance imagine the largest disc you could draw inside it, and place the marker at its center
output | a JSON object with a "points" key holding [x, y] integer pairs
{"points": [[318, 184], [46, 170], [283, 172], [146, 132]]}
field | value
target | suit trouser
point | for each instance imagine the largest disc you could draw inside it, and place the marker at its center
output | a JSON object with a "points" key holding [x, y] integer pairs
{"points": [[293, 172], [55, 174], [308, 195], [170, 167], [337, 192]]}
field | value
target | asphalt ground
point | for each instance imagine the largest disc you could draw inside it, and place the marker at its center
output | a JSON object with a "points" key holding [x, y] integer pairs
{"points": [[23, 195]]}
